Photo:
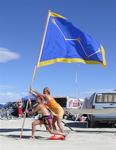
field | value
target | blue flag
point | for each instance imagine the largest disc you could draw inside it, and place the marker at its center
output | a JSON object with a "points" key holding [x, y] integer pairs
{"points": [[63, 42]]}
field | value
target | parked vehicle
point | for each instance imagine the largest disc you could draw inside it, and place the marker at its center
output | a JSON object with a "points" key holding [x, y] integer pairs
{"points": [[69, 103], [103, 100]]}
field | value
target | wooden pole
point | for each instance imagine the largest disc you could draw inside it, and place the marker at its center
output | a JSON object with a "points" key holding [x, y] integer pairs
{"points": [[35, 70], [41, 48], [24, 117]]}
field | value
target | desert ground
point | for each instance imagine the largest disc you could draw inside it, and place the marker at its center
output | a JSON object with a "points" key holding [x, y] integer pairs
{"points": [[79, 139]]}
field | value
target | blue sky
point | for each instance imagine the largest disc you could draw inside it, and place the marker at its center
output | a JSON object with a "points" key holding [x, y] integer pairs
{"points": [[22, 24]]}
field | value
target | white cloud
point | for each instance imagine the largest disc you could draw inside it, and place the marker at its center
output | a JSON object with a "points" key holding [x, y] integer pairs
{"points": [[7, 55], [3, 87], [10, 96], [7, 93]]}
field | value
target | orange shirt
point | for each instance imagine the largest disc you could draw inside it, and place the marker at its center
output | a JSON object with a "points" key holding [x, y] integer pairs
{"points": [[54, 106]]}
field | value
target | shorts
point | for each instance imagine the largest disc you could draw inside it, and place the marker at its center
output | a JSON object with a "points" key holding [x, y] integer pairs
{"points": [[59, 113], [47, 120]]}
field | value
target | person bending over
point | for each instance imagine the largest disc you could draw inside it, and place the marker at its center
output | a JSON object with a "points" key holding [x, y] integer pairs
{"points": [[57, 110], [46, 118]]}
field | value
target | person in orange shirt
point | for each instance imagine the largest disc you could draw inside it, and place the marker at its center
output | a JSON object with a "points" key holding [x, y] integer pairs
{"points": [[51, 103]]}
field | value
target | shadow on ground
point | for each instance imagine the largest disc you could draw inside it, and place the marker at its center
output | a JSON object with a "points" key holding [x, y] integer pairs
{"points": [[17, 137], [4, 130]]}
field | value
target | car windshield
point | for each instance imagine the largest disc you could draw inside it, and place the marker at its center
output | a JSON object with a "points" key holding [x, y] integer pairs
{"points": [[106, 98]]}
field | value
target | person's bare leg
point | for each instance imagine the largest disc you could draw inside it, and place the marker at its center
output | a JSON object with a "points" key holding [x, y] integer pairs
{"points": [[59, 123], [34, 123], [53, 123], [54, 132]]}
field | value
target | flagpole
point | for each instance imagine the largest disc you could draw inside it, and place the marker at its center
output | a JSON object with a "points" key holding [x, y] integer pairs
{"points": [[35, 68], [41, 47], [24, 117]]}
